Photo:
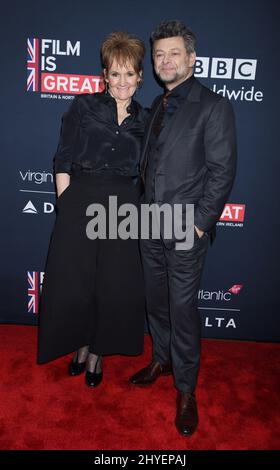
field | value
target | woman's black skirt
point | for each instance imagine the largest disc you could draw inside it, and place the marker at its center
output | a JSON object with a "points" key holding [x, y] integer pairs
{"points": [[93, 292]]}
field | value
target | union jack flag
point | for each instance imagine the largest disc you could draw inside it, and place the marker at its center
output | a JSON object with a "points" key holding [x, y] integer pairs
{"points": [[33, 291], [32, 64]]}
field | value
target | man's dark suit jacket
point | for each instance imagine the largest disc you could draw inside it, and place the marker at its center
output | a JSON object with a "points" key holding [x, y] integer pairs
{"points": [[196, 163]]}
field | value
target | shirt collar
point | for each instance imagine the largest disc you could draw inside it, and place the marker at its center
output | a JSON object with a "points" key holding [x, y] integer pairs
{"points": [[131, 109], [181, 90]]}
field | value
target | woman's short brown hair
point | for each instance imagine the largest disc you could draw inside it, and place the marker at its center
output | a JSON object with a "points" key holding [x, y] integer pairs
{"points": [[124, 48]]}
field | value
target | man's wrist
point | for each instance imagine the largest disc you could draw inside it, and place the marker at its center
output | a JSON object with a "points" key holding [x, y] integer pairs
{"points": [[199, 232]]}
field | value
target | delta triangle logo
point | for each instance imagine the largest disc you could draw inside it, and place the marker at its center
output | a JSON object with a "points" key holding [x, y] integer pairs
{"points": [[29, 209]]}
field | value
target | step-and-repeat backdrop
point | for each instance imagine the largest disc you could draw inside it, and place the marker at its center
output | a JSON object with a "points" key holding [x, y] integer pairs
{"points": [[50, 52]]}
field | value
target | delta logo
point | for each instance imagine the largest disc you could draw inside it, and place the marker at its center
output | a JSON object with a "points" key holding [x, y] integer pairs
{"points": [[42, 63], [45, 208]]}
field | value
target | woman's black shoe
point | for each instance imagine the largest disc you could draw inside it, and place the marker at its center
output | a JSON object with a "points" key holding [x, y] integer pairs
{"points": [[76, 368], [94, 378]]}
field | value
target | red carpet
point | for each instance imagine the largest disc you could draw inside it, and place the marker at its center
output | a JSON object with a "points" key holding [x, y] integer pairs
{"points": [[42, 408]]}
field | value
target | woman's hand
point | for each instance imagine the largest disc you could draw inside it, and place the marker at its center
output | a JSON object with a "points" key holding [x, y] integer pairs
{"points": [[62, 181]]}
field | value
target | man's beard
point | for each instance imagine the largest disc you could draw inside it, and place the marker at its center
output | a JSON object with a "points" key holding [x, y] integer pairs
{"points": [[167, 81]]}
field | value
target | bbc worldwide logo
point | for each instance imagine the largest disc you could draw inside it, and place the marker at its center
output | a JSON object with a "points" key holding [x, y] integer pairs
{"points": [[225, 68]]}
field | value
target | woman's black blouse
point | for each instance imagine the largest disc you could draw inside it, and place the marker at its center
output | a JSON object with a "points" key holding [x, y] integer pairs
{"points": [[92, 138]]}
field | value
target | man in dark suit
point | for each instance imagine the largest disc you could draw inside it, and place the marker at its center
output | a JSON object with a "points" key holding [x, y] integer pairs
{"points": [[189, 157]]}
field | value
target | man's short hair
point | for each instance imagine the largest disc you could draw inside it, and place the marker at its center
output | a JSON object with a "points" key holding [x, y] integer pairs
{"points": [[175, 28]]}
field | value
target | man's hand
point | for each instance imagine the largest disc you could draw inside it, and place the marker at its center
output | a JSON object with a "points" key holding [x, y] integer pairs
{"points": [[199, 232]]}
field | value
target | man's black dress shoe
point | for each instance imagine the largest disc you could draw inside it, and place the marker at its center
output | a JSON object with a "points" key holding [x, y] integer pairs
{"points": [[150, 374], [186, 420]]}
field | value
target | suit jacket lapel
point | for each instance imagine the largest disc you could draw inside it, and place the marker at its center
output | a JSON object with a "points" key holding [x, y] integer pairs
{"points": [[177, 124], [181, 119]]}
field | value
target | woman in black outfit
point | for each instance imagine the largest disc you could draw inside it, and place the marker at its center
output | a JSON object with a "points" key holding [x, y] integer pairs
{"points": [[93, 296]]}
